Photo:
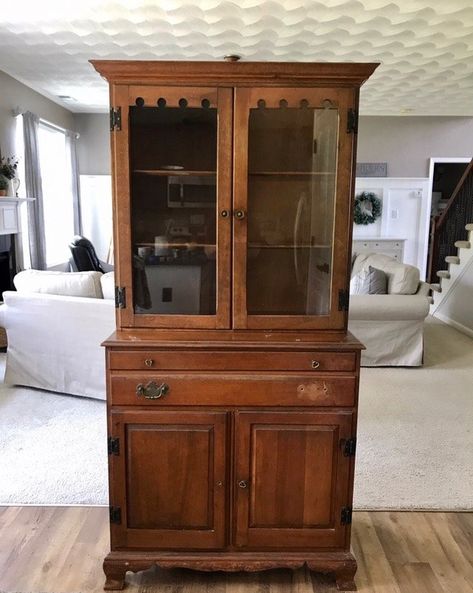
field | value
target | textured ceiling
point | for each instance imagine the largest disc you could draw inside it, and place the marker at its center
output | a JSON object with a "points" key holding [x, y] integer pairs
{"points": [[425, 48]]}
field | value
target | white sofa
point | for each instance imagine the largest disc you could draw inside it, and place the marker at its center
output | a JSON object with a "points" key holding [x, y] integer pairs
{"points": [[391, 325], [55, 323]]}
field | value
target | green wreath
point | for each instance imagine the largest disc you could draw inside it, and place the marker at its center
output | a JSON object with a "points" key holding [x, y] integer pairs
{"points": [[368, 208]]}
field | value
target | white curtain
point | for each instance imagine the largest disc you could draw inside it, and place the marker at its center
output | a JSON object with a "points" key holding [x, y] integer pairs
{"points": [[34, 188], [71, 145]]}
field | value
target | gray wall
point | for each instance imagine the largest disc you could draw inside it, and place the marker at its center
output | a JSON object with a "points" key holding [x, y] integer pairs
{"points": [[94, 143], [14, 94], [407, 143]]}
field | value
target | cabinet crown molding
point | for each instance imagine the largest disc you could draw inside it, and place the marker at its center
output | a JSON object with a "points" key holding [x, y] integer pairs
{"points": [[348, 74]]}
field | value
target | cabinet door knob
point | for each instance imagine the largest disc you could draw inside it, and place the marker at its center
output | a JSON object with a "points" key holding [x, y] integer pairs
{"points": [[315, 364], [240, 214], [152, 390], [243, 484], [224, 213], [149, 362]]}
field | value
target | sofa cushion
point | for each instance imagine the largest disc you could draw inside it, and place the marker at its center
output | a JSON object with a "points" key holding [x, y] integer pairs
{"points": [[369, 281], [79, 284], [402, 278], [107, 282]]}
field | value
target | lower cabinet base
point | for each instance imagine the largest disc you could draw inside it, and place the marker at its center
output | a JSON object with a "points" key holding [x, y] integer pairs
{"points": [[343, 564]]}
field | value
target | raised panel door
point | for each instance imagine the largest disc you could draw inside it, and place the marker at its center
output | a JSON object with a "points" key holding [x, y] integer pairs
{"points": [[169, 479], [291, 478]]}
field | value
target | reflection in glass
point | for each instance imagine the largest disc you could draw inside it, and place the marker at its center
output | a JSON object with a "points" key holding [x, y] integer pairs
{"points": [[173, 209], [291, 200]]}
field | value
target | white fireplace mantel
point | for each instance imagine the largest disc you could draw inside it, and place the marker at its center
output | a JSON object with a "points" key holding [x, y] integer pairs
{"points": [[9, 215]]}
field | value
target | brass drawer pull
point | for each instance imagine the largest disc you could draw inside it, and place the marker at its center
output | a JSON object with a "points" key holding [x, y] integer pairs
{"points": [[149, 362], [243, 484], [152, 390], [240, 214], [315, 364]]}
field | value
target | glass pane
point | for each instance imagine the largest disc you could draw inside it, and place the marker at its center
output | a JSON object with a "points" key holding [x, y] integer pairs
{"points": [[291, 202], [173, 209]]}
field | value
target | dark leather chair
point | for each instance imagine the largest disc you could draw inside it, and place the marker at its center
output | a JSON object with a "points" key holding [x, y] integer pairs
{"points": [[84, 256]]}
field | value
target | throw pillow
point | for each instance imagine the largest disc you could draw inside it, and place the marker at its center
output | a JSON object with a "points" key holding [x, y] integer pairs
{"points": [[78, 284], [402, 278], [107, 282], [369, 281]]}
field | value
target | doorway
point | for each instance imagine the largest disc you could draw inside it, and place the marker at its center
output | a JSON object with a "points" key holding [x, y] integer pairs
{"points": [[444, 175]]}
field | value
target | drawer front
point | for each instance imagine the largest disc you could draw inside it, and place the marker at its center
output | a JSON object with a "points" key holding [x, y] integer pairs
{"points": [[174, 389], [228, 361]]}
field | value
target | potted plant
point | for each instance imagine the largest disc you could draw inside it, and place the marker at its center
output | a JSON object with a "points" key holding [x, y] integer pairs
{"points": [[8, 166], [3, 185]]}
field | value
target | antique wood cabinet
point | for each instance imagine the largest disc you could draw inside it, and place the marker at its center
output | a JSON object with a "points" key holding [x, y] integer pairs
{"points": [[232, 381]]}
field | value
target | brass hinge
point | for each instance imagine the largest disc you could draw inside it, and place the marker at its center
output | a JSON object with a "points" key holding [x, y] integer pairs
{"points": [[120, 297], [343, 300], [350, 447], [352, 121], [113, 446], [346, 514], [115, 515], [115, 118]]}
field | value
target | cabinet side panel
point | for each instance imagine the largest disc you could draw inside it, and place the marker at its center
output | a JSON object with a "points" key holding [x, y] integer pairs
{"points": [[121, 204]]}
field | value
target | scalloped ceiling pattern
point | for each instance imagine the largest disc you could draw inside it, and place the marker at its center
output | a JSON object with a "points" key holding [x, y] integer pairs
{"points": [[425, 49]]}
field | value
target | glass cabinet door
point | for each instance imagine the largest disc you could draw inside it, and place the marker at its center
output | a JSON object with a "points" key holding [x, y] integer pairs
{"points": [[179, 155], [290, 227]]}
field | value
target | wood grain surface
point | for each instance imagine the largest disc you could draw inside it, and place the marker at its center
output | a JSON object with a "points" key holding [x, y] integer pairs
{"points": [[60, 550], [244, 73]]}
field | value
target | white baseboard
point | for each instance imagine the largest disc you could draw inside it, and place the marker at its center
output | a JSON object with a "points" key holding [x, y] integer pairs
{"points": [[461, 328]]}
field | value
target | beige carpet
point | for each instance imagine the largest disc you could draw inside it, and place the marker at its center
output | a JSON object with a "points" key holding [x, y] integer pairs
{"points": [[415, 432], [415, 438]]}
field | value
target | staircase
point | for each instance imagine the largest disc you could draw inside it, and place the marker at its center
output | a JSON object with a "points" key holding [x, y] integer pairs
{"points": [[452, 295], [451, 258], [449, 228]]}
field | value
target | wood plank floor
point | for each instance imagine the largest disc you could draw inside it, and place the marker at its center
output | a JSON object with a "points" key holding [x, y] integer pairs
{"points": [[60, 550]]}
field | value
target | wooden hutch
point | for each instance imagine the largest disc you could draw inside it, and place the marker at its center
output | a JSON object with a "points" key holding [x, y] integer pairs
{"points": [[232, 381]]}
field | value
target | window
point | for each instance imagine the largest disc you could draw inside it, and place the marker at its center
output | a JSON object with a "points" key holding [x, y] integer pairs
{"points": [[57, 194]]}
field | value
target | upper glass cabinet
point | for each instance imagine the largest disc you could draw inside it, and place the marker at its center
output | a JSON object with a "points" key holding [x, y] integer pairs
{"points": [[233, 207], [233, 192]]}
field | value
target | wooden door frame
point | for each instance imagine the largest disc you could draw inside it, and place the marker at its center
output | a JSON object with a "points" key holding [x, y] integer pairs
{"points": [[345, 98], [122, 96]]}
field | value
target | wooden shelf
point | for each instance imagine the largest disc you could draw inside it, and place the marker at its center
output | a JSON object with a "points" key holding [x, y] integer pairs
{"points": [[292, 173], [187, 245], [265, 246], [174, 172]]}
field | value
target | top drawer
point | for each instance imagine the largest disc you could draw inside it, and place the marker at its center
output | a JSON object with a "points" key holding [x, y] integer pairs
{"points": [[229, 361]]}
